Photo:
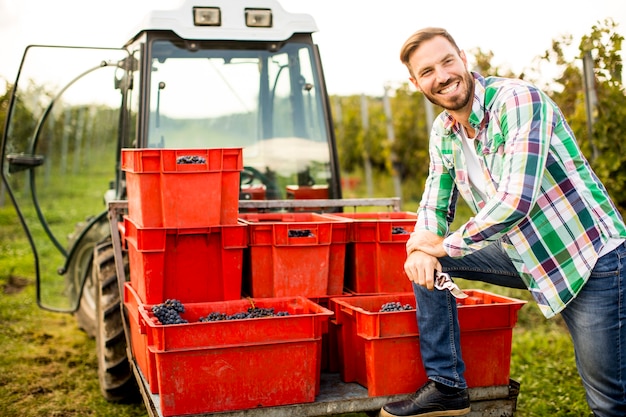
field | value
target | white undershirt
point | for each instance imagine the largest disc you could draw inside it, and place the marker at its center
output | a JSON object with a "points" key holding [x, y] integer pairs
{"points": [[474, 170]]}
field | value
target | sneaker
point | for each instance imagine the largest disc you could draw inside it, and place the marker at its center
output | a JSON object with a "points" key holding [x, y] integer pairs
{"points": [[428, 401]]}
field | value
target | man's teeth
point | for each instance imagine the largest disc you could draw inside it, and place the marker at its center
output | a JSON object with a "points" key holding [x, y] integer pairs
{"points": [[450, 88]]}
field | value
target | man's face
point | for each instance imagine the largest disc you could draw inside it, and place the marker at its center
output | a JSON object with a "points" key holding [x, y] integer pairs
{"points": [[441, 74]]}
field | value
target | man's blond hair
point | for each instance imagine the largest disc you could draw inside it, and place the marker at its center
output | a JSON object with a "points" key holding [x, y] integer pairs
{"points": [[415, 40]]}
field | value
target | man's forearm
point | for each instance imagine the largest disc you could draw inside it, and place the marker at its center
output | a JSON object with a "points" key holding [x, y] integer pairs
{"points": [[427, 242]]}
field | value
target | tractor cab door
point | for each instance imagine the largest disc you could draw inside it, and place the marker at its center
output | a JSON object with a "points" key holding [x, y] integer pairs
{"points": [[60, 153]]}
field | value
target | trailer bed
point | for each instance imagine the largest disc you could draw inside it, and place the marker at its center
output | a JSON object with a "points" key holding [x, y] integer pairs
{"points": [[337, 398]]}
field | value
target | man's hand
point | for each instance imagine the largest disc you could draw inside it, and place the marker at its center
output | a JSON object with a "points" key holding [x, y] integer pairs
{"points": [[420, 268], [422, 249], [427, 242]]}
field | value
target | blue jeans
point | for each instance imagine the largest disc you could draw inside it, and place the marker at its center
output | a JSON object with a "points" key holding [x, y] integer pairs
{"points": [[596, 320]]}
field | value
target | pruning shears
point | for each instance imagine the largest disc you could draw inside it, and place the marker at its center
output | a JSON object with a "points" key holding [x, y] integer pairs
{"points": [[444, 282]]}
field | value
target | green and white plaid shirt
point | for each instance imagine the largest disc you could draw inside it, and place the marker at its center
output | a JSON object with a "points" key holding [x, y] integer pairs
{"points": [[545, 203]]}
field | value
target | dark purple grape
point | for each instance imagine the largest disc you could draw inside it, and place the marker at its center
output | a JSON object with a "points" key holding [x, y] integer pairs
{"points": [[300, 233], [190, 159], [395, 306]]}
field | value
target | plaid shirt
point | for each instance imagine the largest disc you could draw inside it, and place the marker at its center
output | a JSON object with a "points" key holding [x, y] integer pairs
{"points": [[545, 204]]}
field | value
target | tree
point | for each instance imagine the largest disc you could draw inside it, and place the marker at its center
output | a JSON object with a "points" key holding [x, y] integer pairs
{"points": [[608, 133], [411, 145], [353, 140]]}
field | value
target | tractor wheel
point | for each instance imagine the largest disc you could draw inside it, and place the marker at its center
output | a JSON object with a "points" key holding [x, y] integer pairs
{"points": [[117, 381], [81, 265]]}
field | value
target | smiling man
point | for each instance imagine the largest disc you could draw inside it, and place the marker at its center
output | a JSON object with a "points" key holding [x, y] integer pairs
{"points": [[542, 221]]}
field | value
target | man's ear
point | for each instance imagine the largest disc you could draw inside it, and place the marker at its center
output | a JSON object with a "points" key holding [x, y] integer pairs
{"points": [[414, 82]]}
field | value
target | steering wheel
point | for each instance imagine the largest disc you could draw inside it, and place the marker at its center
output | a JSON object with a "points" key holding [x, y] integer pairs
{"points": [[249, 175]]}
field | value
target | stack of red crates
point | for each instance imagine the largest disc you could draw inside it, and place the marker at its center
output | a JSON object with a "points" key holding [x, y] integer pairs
{"points": [[185, 242], [380, 350], [183, 237], [205, 367]]}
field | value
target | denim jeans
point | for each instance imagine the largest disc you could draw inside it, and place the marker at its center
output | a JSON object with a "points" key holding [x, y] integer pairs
{"points": [[596, 320]]}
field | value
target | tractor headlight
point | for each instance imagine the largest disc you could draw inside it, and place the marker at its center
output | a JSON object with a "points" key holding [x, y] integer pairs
{"points": [[207, 16], [259, 18]]}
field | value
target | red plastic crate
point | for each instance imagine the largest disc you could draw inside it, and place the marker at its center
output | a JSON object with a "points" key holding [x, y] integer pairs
{"points": [[205, 367], [299, 192], [376, 252], [164, 193], [145, 359], [380, 350], [282, 266], [306, 192], [189, 264]]}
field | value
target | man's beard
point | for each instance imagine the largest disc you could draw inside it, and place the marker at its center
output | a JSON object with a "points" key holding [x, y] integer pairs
{"points": [[459, 102]]}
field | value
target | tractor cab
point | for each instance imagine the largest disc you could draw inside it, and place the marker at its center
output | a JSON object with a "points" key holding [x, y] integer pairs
{"points": [[208, 74], [236, 76]]}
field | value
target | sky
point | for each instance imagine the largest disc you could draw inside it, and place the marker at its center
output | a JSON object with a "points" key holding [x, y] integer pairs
{"points": [[359, 40]]}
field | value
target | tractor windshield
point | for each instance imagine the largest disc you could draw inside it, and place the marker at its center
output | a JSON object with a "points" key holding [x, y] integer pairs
{"points": [[266, 101]]}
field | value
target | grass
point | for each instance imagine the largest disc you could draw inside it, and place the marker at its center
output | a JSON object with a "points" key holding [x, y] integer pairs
{"points": [[48, 366]]}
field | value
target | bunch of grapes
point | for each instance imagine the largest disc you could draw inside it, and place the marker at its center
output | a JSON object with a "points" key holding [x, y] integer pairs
{"points": [[190, 159], [252, 313], [395, 306], [397, 230], [300, 233], [169, 312]]}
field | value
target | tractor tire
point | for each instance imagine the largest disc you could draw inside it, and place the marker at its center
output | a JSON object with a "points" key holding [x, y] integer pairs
{"points": [[117, 381], [81, 265]]}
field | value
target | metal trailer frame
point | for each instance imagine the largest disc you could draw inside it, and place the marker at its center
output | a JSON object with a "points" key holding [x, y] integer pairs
{"points": [[335, 397]]}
